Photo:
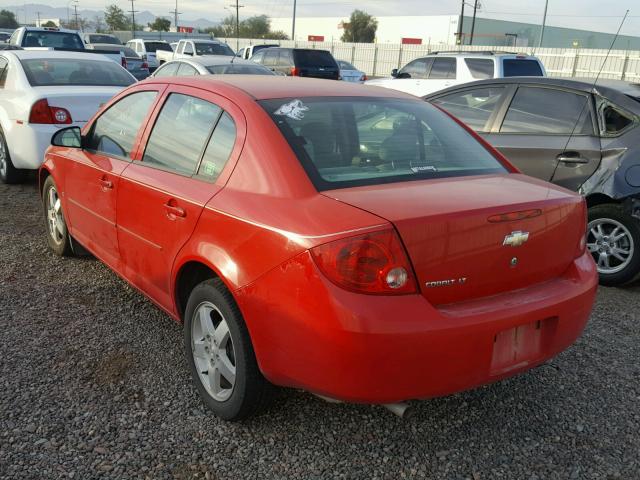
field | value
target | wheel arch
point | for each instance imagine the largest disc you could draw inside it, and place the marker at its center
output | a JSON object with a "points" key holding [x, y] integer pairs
{"points": [[596, 199]]}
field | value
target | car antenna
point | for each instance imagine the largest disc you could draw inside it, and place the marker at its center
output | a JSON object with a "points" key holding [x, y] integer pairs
{"points": [[595, 82]]}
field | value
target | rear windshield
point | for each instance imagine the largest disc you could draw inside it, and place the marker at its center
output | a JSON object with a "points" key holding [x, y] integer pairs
{"points": [[314, 58], [213, 49], [57, 71], [521, 68], [232, 69], [52, 40], [104, 39], [152, 47], [350, 141]]}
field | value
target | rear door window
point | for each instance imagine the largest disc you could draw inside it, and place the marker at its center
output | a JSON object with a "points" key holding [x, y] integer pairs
{"points": [[115, 131], [443, 68], [270, 58], [186, 70], [480, 67], [548, 111], [417, 69], [218, 149], [285, 59], [168, 70], [180, 134], [514, 67], [474, 107]]}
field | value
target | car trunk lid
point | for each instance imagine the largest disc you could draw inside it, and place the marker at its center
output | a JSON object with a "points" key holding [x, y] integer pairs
{"points": [[81, 102], [461, 240]]}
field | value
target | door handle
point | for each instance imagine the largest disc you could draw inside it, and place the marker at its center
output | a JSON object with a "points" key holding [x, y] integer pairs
{"points": [[174, 211], [106, 184], [572, 158]]}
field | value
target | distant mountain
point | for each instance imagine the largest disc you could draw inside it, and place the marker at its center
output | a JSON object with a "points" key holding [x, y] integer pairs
{"points": [[28, 13]]}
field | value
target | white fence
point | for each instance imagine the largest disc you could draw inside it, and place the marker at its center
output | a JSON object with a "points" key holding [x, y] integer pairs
{"points": [[379, 59]]}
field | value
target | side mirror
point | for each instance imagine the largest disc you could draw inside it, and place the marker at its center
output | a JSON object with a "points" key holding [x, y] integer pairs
{"points": [[394, 72], [67, 137]]}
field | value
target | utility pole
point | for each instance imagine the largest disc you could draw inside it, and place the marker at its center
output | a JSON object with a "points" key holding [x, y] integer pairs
{"points": [[175, 16], [75, 14], [237, 6], [460, 23], [38, 25], [293, 27], [473, 22], [544, 21], [133, 20]]}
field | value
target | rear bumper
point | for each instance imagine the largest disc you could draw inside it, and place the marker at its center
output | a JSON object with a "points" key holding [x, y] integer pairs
{"points": [[310, 334], [28, 142]]}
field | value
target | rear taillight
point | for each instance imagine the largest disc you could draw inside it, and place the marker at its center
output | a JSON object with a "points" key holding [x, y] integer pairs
{"points": [[295, 72], [363, 78], [41, 112], [374, 263], [144, 66], [124, 62]]}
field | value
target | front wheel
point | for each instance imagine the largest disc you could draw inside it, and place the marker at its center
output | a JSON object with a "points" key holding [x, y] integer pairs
{"points": [[613, 238], [57, 234], [8, 173], [220, 353]]}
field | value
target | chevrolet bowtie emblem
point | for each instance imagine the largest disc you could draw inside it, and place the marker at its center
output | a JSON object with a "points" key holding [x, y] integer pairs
{"points": [[515, 239]]}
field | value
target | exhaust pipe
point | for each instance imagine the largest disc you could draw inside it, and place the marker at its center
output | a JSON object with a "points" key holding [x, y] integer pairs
{"points": [[401, 410]]}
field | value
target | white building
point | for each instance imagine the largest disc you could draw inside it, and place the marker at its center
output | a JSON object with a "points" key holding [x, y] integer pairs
{"points": [[427, 30]]}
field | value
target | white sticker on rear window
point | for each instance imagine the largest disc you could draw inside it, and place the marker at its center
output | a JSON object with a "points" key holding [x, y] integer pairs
{"points": [[294, 110], [424, 168]]}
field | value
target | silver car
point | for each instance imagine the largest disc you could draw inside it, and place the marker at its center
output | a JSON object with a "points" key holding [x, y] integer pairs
{"points": [[349, 73], [210, 65]]}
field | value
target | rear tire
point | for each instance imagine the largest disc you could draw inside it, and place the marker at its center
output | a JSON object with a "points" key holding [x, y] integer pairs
{"points": [[613, 238], [57, 234], [8, 173], [220, 354]]}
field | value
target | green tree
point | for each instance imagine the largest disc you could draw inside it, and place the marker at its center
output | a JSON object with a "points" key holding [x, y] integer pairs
{"points": [[361, 28], [49, 24], [258, 26], [115, 18], [160, 25], [8, 19]]}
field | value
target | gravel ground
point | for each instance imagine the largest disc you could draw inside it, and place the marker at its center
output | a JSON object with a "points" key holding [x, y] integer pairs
{"points": [[93, 384]]}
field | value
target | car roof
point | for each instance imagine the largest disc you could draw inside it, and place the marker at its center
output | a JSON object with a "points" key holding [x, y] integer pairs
{"points": [[210, 60], [268, 87], [49, 29], [203, 40], [52, 54]]}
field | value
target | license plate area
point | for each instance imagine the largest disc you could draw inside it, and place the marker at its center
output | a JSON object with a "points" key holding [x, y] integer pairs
{"points": [[519, 346]]}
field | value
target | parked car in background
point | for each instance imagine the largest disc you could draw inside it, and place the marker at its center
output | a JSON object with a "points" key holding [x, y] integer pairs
{"points": [[210, 64], [4, 37], [134, 64], [251, 50], [357, 243], [174, 45], [43, 91], [571, 133], [101, 38], [57, 39], [299, 62], [441, 70], [195, 48], [349, 73], [148, 50]]}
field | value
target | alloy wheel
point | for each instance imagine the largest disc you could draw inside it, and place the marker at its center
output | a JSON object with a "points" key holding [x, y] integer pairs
{"points": [[611, 245], [55, 221], [213, 351]]}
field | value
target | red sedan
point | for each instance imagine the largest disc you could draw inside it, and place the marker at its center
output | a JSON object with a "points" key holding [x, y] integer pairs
{"points": [[351, 241]]}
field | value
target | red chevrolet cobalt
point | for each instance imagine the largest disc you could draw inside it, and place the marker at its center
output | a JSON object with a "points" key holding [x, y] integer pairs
{"points": [[351, 241]]}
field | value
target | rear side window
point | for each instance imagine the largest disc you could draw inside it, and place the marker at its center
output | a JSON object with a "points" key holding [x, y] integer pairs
{"points": [[218, 149], [270, 58], [443, 68], [548, 111], [480, 67], [186, 70], [351, 141], [168, 70], [115, 131], [521, 68], [314, 58], [4, 67], [613, 119], [473, 107], [180, 134]]}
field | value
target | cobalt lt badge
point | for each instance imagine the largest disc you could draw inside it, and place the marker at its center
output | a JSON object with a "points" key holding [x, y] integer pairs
{"points": [[515, 239]]}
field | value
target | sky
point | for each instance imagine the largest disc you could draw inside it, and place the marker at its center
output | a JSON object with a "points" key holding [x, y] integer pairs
{"points": [[596, 15]]}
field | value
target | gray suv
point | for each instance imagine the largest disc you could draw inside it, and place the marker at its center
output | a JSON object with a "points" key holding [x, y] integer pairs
{"points": [[571, 133]]}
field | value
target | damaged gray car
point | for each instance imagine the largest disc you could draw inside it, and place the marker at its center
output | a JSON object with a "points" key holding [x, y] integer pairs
{"points": [[573, 133]]}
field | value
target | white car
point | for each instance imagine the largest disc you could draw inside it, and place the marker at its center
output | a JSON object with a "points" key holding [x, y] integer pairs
{"points": [[194, 48], [147, 50], [43, 91], [441, 70]]}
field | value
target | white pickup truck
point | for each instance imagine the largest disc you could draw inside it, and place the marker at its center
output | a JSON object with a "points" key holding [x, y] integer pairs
{"points": [[194, 48]]}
